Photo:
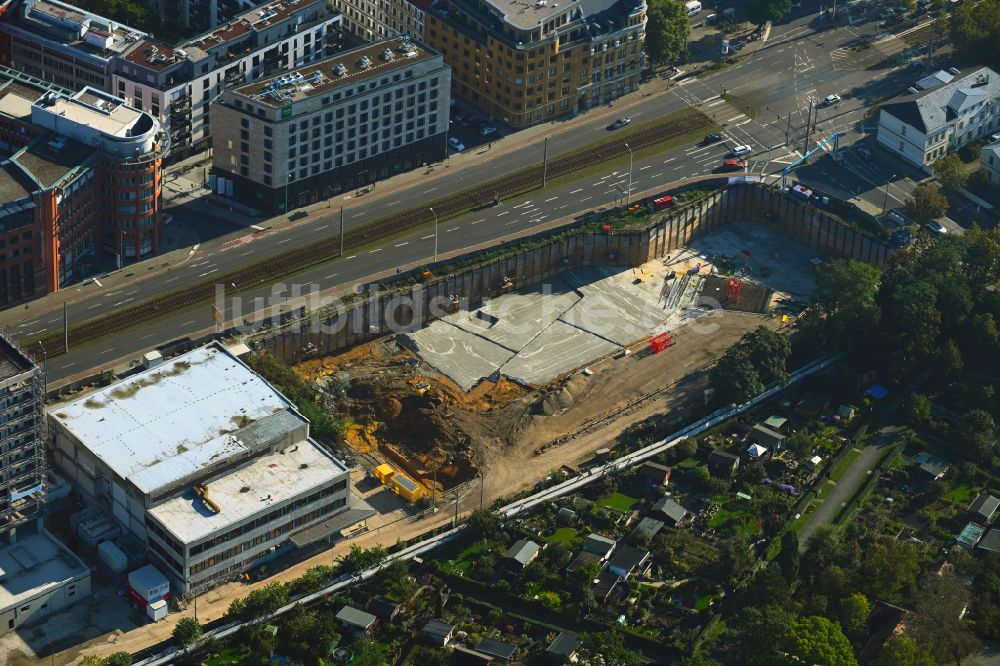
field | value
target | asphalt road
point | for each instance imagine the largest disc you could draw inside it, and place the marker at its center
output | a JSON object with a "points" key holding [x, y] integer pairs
{"points": [[798, 62]]}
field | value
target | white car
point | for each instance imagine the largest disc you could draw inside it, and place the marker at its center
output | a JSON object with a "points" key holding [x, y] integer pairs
{"points": [[455, 144], [832, 99], [936, 228], [740, 151], [486, 130]]}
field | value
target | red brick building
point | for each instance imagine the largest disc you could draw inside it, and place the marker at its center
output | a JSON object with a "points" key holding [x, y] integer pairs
{"points": [[80, 180]]}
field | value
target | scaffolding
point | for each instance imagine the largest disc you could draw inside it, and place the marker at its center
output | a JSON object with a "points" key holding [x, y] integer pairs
{"points": [[22, 440]]}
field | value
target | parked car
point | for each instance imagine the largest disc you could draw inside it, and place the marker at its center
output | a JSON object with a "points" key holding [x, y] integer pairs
{"points": [[455, 144], [621, 122], [734, 165], [486, 130], [740, 151], [832, 99], [710, 139], [936, 228]]}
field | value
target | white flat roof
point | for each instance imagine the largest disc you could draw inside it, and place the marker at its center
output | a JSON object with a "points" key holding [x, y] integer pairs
{"points": [[269, 480], [34, 565], [168, 422]]}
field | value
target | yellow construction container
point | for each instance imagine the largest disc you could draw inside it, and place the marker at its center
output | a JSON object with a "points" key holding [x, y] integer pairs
{"points": [[384, 473], [406, 487]]}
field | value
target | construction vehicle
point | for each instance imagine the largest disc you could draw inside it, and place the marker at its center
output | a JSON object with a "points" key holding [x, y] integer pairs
{"points": [[422, 388]]}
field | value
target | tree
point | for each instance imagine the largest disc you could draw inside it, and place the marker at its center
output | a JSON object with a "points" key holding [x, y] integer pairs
{"points": [[759, 358], [483, 524], [426, 656], [853, 611], [815, 640], [935, 621], [847, 290], [762, 11], [187, 631], [262, 601], [950, 361], [130, 12], [121, 658], [926, 203], [92, 660], [769, 352], [979, 431], [901, 651], [734, 378], [975, 32], [361, 559], [608, 648], [951, 171], [667, 30], [788, 558], [746, 629]]}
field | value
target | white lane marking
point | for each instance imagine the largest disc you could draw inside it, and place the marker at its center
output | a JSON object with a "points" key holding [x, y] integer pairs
{"points": [[147, 336], [352, 256], [478, 221], [122, 302], [246, 253], [29, 323], [68, 365], [656, 175], [98, 282], [393, 203], [447, 231], [506, 212], [716, 102], [670, 160], [94, 306], [284, 241], [402, 244], [378, 249], [332, 275], [208, 272], [575, 191], [322, 227], [171, 279], [430, 190], [645, 167], [107, 351], [187, 323], [552, 199], [586, 198], [359, 214]]}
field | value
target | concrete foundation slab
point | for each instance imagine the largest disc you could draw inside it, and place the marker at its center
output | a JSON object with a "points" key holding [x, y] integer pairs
{"points": [[611, 311], [558, 349], [464, 357], [513, 320]]}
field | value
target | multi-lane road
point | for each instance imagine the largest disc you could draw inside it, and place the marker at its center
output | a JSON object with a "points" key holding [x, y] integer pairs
{"points": [[802, 62]]}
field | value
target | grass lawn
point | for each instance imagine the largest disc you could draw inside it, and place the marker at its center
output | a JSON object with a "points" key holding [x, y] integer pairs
{"points": [[618, 501], [734, 514], [841, 467], [703, 601], [462, 562], [562, 535], [230, 655], [959, 495]]}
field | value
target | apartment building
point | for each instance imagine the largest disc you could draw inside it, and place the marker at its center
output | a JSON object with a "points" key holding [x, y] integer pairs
{"points": [[56, 42], [62, 44], [989, 161], [526, 62], [177, 84], [80, 173], [339, 124], [374, 20], [203, 461], [923, 127], [194, 16]]}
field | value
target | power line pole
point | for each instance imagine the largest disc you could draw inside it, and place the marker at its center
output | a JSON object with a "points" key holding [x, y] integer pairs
{"points": [[341, 231], [809, 123], [65, 328], [930, 44]]}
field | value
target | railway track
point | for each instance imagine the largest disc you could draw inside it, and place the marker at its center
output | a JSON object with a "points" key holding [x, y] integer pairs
{"points": [[300, 258]]}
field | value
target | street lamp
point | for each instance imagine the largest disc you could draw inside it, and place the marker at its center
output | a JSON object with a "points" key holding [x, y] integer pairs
{"points": [[287, 180], [435, 233], [885, 195], [628, 195]]}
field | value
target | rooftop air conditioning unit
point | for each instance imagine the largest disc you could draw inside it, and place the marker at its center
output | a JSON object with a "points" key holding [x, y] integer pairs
{"points": [[340, 69]]}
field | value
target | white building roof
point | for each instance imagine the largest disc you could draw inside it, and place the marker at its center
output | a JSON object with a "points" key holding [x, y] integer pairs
{"points": [[168, 422], [267, 481], [35, 564]]}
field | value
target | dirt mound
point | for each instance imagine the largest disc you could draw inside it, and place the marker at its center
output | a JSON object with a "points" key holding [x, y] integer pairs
{"points": [[388, 408], [562, 397]]}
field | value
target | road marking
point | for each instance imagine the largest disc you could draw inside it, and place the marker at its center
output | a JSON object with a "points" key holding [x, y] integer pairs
{"points": [[322, 227], [147, 336], [552, 199], [246, 253], [332, 275], [506, 212], [716, 102], [478, 221], [735, 118], [586, 198], [34, 321], [670, 160], [134, 291], [359, 214], [123, 302], [645, 167], [393, 203], [171, 279], [450, 230], [107, 351], [98, 282], [656, 175], [207, 273], [68, 365], [600, 182], [188, 322], [402, 244], [426, 237], [430, 190], [378, 249], [575, 191], [94, 306]]}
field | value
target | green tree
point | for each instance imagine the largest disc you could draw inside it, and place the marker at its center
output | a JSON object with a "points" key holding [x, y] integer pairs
{"points": [[483, 524], [361, 559], [121, 658], [550, 600], [853, 611], [744, 632], [979, 431], [583, 576], [949, 360], [734, 378], [951, 171], [935, 621], [927, 203], [769, 352], [667, 30], [426, 656], [609, 647], [817, 641], [788, 558], [759, 358], [762, 11], [92, 660], [130, 12], [975, 32], [315, 578], [902, 651], [847, 291], [921, 410], [261, 601], [187, 631]]}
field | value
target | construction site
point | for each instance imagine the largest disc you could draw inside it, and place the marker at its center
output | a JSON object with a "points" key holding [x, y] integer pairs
{"points": [[486, 389]]}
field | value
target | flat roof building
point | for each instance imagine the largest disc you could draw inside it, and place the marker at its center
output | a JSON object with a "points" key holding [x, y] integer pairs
{"points": [[332, 126], [203, 460]]}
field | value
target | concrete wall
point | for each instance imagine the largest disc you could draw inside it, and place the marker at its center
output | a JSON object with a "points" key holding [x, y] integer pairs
{"points": [[547, 256]]}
